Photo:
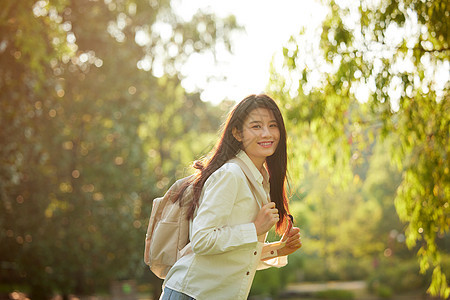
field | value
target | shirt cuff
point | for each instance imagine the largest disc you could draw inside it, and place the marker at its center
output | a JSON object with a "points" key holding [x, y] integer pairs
{"points": [[277, 262], [271, 249], [269, 254]]}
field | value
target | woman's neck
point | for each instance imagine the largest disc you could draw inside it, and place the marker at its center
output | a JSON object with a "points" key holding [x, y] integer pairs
{"points": [[259, 164]]}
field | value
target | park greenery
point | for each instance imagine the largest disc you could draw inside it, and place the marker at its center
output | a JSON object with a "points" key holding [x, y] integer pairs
{"points": [[89, 136], [372, 77], [94, 123]]}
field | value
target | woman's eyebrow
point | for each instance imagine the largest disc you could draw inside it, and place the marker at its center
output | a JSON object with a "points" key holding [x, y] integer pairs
{"points": [[260, 122]]}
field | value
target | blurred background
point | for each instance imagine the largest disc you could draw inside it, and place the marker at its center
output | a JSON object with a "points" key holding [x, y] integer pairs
{"points": [[105, 103]]}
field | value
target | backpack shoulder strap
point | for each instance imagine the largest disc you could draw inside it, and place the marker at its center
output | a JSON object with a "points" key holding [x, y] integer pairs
{"points": [[259, 195]]}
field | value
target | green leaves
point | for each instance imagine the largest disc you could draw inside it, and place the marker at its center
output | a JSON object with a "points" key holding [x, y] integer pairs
{"points": [[89, 136], [379, 71]]}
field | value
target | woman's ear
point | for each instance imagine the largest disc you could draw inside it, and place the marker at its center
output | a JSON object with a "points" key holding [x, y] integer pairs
{"points": [[237, 134]]}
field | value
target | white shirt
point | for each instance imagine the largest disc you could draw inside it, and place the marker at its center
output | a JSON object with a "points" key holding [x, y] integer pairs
{"points": [[226, 250]]}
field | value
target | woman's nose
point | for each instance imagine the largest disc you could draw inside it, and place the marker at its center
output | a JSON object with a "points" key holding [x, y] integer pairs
{"points": [[265, 131]]}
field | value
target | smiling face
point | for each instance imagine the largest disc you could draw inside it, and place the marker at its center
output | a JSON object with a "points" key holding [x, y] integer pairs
{"points": [[259, 136]]}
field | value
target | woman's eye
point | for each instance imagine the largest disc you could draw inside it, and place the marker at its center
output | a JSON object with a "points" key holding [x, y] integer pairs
{"points": [[274, 125]]}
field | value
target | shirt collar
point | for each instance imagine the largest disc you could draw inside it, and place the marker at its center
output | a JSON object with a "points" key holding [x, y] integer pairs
{"points": [[261, 178]]}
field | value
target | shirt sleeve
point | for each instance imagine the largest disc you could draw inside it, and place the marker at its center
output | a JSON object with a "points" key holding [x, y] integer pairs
{"points": [[273, 262], [270, 258], [210, 234]]}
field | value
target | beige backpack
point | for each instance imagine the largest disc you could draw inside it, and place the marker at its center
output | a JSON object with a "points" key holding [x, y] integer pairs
{"points": [[167, 238]]}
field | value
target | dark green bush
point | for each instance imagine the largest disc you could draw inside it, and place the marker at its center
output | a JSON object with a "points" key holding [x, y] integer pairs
{"points": [[267, 282], [353, 269], [383, 291], [399, 276], [271, 281]]}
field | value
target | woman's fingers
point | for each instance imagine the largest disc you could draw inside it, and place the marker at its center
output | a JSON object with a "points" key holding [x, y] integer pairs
{"points": [[294, 231], [295, 245], [266, 218], [294, 239]]}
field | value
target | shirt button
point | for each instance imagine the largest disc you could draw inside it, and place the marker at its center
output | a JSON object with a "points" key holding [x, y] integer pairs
{"points": [[271, 252], [255, 253], [248, 273]]}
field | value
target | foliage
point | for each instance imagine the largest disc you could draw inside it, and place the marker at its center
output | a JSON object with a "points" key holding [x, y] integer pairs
{"points": [[346, 229], [94, 123], [270, 282], [384, 291], [267, 283], [88, 135], [397, 276], [378, 67]]}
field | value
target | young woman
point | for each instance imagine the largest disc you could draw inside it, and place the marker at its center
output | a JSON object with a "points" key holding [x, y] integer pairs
{"points": [[228, 225]]}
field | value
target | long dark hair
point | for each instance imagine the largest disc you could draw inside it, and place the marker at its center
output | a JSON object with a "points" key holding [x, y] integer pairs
{"points": [[228, 146]]}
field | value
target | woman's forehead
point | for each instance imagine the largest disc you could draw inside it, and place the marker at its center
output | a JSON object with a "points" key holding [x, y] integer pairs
{"points": [[261, 113]]}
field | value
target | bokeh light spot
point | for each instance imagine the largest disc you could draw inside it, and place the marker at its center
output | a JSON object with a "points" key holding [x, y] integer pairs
{"points": [[75, 174]]}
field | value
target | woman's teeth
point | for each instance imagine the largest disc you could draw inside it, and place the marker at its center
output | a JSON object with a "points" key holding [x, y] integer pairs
{"points": [[266, 144]]}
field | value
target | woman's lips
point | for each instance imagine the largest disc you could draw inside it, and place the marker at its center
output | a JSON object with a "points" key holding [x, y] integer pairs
{"points": [[265, 144]]}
